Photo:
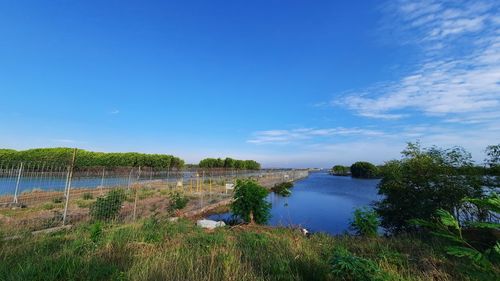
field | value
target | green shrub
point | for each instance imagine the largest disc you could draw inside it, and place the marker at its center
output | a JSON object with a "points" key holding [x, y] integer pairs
{"points": [[57, 200], [446, 226], [365, 222], [177, 201], [87, 196], [96, 231], [48, 206], [84, 203], [250, 201], [364, 170], [340, 170], [348, 267], [283, 189], [109, 206]]}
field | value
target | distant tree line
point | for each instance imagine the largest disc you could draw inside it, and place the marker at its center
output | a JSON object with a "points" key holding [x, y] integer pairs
{"points": [[340, 170], [229, 163], [86, 158]]}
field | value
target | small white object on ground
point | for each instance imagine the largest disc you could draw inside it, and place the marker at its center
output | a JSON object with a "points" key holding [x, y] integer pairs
{"points": [[173, 219], [229, 186], [210, 224]]}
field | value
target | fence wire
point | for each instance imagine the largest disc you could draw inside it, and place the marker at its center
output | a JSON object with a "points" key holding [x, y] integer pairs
{"points": [[37, 196]]}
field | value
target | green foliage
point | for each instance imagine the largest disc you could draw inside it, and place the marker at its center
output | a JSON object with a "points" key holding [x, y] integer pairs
{"points": [[177, 201], [151, 230], [364, 170], [446, 226], [57, 200], [108, 207], [229, 163], [340, 170], [87, 196], [365, 222], [250, 200], [349, 267], [282, 189], [424, 181], [90, 159], [96, 231], [48, 206], [155, 249]]}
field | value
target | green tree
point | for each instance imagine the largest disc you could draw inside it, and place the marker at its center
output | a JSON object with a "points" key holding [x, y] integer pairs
{"points": [[424, 181], [365, 222], [364, 170], [340, 170], [229, 163], [493, 164], [250, 202]]}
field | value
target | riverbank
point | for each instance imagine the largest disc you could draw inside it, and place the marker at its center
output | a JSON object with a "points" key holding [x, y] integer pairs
{"points": [[157, 249]]}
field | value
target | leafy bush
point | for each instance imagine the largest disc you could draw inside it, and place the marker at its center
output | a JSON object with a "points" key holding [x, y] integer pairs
{"points": [[364, 170], [87, 196], [108, 207], [282, 189], [96, 231], [365, 222], [250, 202], [446, 226], [177, 201], [57, 200], [424, 181], [348, 267]]}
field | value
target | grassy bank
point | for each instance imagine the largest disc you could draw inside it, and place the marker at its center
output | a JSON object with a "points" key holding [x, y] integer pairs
{"points": [[161, 250]]}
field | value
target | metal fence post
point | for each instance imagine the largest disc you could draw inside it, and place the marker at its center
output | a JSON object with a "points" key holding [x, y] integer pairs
{"points": [[17, 183], [130, 178], [69, 187]]}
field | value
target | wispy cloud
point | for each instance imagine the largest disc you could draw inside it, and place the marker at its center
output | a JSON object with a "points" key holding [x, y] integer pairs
{"points": [[458, 78], [114, 111], [301, 134]]}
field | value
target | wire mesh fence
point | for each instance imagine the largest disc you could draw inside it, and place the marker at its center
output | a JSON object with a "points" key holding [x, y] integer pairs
{"points": [[37, 196]]}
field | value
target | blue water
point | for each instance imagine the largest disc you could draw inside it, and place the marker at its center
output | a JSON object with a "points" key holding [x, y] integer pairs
{"points": [[320, 203]]}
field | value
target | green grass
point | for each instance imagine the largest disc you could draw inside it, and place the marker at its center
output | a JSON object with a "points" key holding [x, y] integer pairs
{"points": [[154, 249]]}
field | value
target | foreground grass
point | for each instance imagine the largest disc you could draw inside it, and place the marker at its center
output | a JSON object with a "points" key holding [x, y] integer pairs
{"points": [[160, 250]]}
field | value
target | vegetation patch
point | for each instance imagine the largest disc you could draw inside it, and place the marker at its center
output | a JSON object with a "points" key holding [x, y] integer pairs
{"points": [[250, 203], [283, 189]]}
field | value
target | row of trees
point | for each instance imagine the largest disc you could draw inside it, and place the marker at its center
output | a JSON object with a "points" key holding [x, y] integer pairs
{"points": [[364, 170], [90, 159], [229, 163]]}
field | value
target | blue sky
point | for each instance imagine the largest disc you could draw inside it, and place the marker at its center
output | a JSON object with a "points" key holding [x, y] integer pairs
{"points": [[288, 83]]}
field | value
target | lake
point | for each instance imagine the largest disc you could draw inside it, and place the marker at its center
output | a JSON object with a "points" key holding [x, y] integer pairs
{"points": [[320, 203]]}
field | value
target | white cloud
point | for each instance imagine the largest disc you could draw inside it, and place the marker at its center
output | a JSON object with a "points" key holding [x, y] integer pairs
{"points": [[459, 76], [296, 135], [114, 111]]}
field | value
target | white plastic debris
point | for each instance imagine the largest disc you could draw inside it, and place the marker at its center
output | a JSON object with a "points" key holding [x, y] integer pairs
{"points": [[210, 224]]}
